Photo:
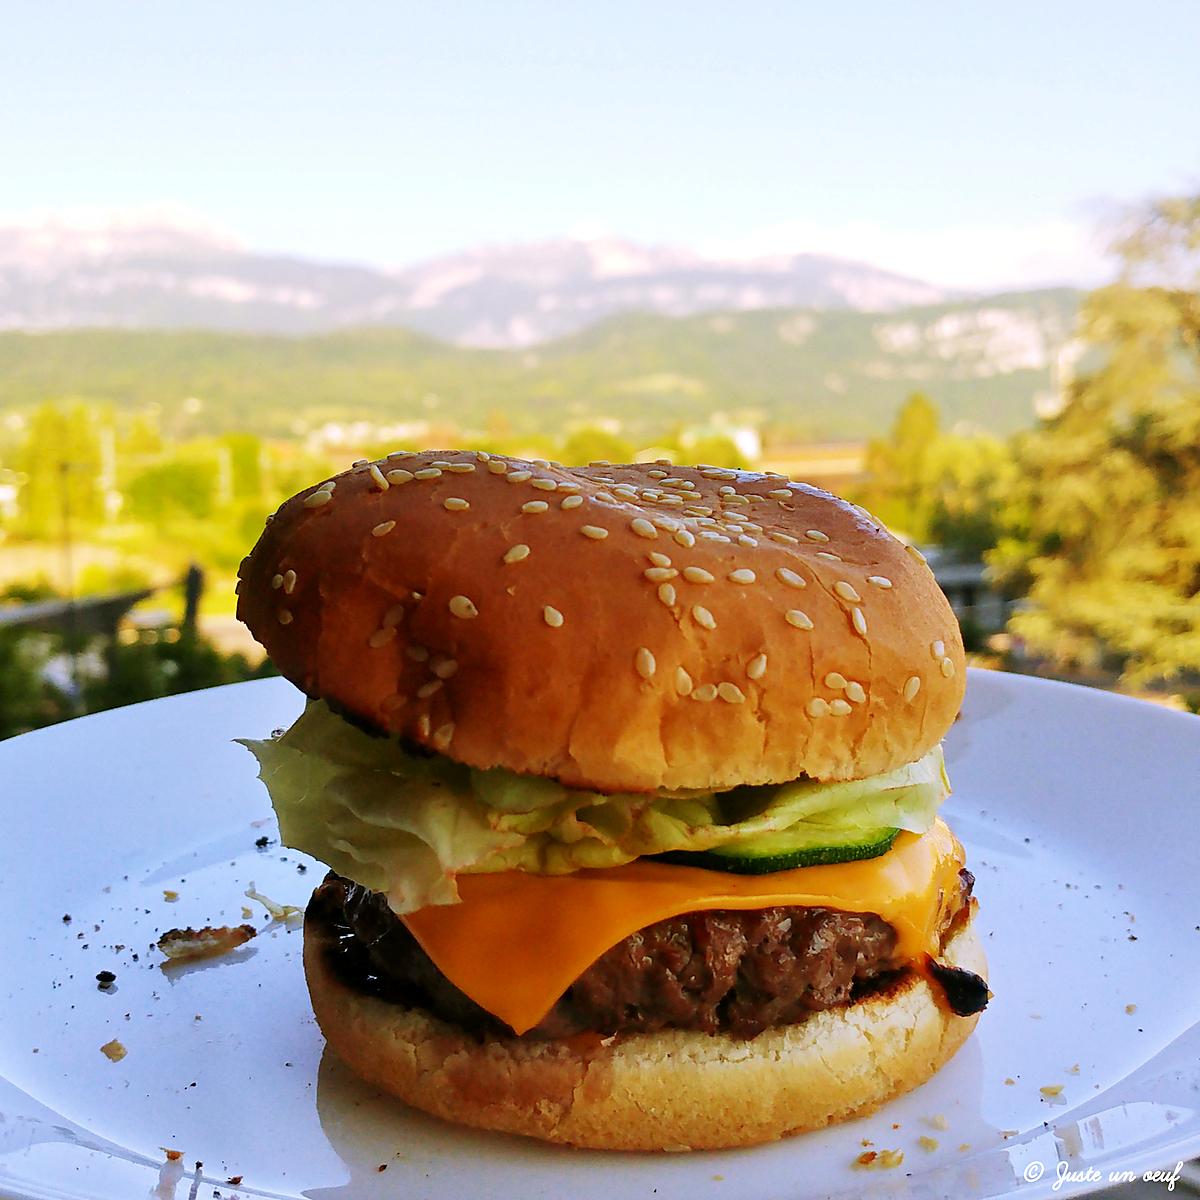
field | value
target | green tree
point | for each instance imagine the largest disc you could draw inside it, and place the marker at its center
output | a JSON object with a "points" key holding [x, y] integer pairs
{"points": [[60, 468], [588, 445], [899, 469], [1102, 531]]}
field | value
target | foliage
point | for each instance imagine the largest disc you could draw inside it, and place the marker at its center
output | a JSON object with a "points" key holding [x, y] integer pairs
{"points": [[1103, 527], [61, 463]]}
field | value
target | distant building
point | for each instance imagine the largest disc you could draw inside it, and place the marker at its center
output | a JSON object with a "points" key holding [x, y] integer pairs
{"points": [[836, 466]]}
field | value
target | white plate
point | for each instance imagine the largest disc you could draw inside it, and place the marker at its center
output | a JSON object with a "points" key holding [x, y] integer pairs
{"points": [[1078, 810]]}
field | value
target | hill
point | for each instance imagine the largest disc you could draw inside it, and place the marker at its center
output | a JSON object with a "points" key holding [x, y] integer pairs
{"points": [[803, 373]]}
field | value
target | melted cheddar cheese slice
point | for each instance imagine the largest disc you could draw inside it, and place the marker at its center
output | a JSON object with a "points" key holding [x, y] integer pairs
{"points": [[517, 941]]}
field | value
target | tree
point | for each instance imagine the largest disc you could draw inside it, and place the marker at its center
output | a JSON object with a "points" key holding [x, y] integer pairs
{"points": [[61, 464], [1103, 529], [898, 467]]}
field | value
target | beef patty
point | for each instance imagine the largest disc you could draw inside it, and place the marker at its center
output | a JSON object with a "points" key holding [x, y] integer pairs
{"points": [[729, 971]]}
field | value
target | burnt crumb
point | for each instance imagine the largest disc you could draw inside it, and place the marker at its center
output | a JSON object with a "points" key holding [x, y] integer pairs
{"points": [[302, 868], [263, 842], [965, 992], [234, 1180], [66, 918], [105, 980], [381, 1167]]}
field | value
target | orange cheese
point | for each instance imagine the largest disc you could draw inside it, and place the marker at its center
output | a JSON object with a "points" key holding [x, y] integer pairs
{"points": [[517, 941]]}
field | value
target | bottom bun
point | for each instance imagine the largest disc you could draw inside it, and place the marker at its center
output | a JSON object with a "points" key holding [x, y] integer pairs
{"points": [[672, 1090]]}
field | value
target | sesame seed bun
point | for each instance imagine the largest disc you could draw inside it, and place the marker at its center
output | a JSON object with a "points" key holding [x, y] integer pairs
{"points": [[671, 1090], [623, 628]]}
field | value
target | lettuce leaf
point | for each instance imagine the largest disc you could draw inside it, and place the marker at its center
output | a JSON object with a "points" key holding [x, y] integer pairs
{"points": [[407, 825]]}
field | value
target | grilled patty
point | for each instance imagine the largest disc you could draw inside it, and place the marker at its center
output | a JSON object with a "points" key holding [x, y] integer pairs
{"points": [[729, 971]]}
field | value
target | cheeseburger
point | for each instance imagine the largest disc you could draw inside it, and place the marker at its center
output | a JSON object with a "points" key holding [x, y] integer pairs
{"points": [[628, 779]]}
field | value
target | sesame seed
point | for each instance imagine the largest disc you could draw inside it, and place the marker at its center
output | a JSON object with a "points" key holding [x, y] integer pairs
{"points": [[672, 500], [856, 692], [817, 707], [705, 693], [798, 619], [731, 693], [483, 456], [399, 453], [456, 504], [666, 593], [461, 606], [381, 637], [599, 462], [545, 485], [780, 494], [519, 476], [461, 468], [497, 466], [744, 539], [417, 653], [441, 464], [839, 708], [643, 528], [277, 581], [423, 725], [644, 663], [815, 535], [657, 474], [382, 528], [443, 735], [829, 554], [938, 649], [285, 617], [756, 668], [400, 476], [911, 687], [784, 537], [428, 473], [377, 477], [742, 575], [540, 462], [570, 502], [444, 668], [660, 574], [912, 550], [703, 617], [726, 491], [847, 592], [596, 532], [359, 462], [698, 575], [289, 582], [626, 491], [517, 553], [429, 689], [947, 666], [659, 560], [685, 537], [880, 581], [534, 506], [667, 523], [683, 682], [835, 679], [859, 620], [393, 616], [788, 576], [552, 616], [317, 499], [737, 501]]}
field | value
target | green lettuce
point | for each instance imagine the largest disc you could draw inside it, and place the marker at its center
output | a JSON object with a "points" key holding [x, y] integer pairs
{"points": [[407, 825]]}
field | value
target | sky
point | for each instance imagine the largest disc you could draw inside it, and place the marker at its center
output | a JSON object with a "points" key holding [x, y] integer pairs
{"points": [[971, 145]]}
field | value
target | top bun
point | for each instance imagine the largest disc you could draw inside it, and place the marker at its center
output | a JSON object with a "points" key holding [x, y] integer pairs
{"points": [[623, 628]]}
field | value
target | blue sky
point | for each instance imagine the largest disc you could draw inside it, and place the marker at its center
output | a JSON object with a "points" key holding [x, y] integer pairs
{"points": [[964, 142]]}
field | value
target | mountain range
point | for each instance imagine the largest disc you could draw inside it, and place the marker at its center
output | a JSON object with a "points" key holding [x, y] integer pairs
{"points": [[164, 273]]}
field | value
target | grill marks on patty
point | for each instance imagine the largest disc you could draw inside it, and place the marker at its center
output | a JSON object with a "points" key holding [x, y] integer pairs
{"points": [[729, 971]]}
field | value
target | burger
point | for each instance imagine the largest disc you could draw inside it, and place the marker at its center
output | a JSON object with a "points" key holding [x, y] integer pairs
{"points": [[628, 781]]}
